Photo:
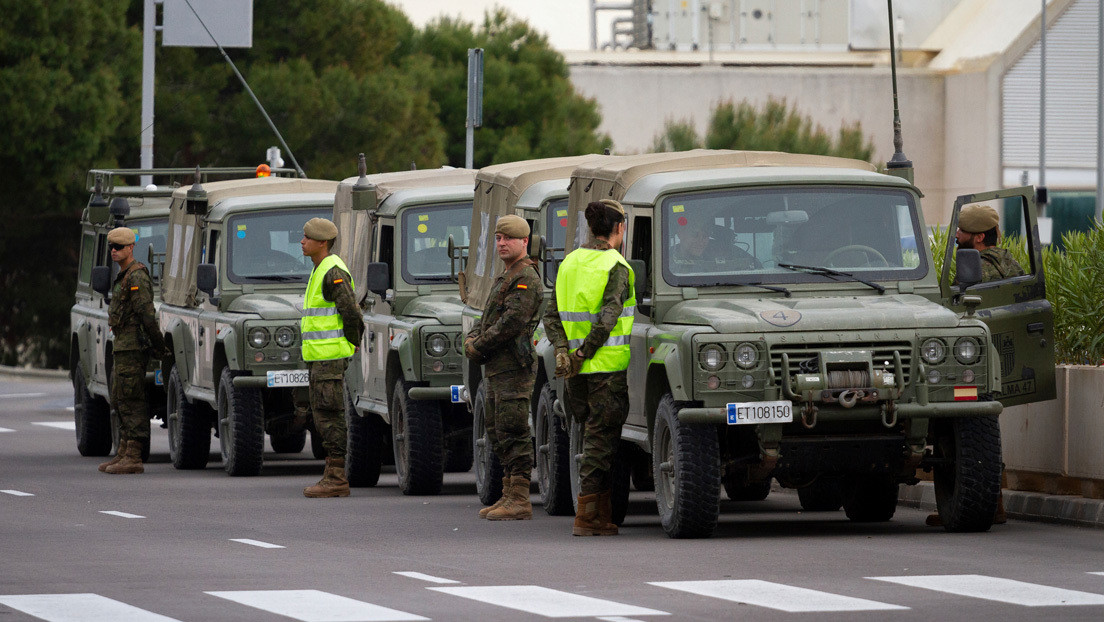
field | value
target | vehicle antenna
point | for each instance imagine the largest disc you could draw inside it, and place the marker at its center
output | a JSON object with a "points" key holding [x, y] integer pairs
{"points": [[898, 165]]}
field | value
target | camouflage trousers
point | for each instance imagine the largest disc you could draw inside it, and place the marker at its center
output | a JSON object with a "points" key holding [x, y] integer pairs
{"points": [[601, 403], [128, 394], [324, 398], [506, 417]]}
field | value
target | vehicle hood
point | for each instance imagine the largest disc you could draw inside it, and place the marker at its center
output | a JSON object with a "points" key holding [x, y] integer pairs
{"points": [[813, 314], [269, 306], [446, 308]]}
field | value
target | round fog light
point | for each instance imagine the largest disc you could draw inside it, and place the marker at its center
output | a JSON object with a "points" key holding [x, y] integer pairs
{"points": [[713, 382], [258, 356], [934, 376], [438, 365], [285, 356], [968, 375], [747, 381]]}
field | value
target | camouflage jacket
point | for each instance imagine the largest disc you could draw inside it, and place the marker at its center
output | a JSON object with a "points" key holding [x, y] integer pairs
{"points": [[504, 335], [131, 315], [336, 289], [613, 301], [997, 263]]}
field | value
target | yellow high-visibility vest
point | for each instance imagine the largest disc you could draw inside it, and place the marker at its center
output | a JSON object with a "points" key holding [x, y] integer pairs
{"points": [[321, 325], [580, 282]]}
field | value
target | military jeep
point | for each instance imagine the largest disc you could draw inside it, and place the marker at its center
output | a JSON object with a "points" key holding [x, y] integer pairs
{"points": [[234, 279], [791, 326], [118, 199], [403, 383]]}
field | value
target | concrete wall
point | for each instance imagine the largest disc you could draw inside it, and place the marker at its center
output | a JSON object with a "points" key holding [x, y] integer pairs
{"points": [[951, 128]]}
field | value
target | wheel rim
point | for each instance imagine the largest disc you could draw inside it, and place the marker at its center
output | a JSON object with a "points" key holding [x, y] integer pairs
{"points": [[173, 415], [665, 479], [482, 451], [226, 431], [543, 433], [575, 459], [78, 401], [399, 436]]}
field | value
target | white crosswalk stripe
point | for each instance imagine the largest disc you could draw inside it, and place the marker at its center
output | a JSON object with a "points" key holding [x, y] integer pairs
{"points": [[61, 425], [547, 602], [316, 606], [78, 608], [17, 493], [776, 596], [424, 577], [11, 430], [999, 590]]}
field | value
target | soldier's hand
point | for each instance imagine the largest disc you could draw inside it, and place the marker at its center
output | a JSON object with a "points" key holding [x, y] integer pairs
{"points": [[563, 363], [469, 349], [576, 364]]}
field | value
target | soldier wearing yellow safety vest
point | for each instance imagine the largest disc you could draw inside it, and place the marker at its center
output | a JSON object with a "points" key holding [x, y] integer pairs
{"points": [[589, 321], [331, 327]]}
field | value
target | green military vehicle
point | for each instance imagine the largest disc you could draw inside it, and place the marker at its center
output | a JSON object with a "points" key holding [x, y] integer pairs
{"points": [[791, 325], [232, 297], [118, 199], [403, 383], [536, 190]]}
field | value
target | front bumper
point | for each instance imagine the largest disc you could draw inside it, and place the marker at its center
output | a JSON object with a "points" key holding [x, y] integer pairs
{"points": [[937, 410]]}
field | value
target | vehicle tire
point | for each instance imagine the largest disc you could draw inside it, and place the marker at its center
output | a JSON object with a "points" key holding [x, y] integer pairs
{"points": [[746, 492], [92, 419], [575, 460], [870, 498], [288, 443], [189, 426], [416, 435], [968, 479], [364, 453], [687, 469], [488, 470], [241, 427], [459, 451], [642, 476], [318, 450], [553, 472], [825, 494], [620, 478]]}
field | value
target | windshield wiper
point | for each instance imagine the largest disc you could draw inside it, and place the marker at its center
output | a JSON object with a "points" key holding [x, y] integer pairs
{"points": [[828, 272], [759, 284], [280, 278]]}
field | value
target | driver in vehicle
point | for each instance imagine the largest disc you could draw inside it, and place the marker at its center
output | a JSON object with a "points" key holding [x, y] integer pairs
{"points": [[704, 246]]}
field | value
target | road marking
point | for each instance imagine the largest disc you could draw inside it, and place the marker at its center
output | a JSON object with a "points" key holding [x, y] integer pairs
{"points": [[120, 514], [263, 545], [315, 606], [61, 425], [424, 577], [999, 590], [546, 602], [776, 596], [1099, 573], [78, 608], [618, 619], [70, 408], [15, 395], [17, 493], [11, 430]]}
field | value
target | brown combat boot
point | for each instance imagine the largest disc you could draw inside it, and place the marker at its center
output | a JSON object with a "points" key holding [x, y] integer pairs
{"points": [[517, 505], [118, 456], [333, 482], [587, 517], [501, 500], [131, 462]]}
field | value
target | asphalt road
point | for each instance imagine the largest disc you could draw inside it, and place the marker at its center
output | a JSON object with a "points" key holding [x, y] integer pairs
{"points": [[79, 545]]}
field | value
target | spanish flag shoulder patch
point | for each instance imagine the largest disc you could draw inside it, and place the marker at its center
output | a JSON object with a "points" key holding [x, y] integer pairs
{"points": [[133, 288], [336, 281], [522, 286]]}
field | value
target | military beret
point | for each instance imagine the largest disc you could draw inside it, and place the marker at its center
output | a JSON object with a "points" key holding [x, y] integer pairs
{"points": [[121, 235], [977, 218], [614, 204], [320, 229], [512, 226]]}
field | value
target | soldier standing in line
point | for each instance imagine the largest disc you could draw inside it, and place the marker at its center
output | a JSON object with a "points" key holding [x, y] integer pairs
{"points": [[331, 327], [589, 321], [502, 342], [131, 316], [978, 229]]}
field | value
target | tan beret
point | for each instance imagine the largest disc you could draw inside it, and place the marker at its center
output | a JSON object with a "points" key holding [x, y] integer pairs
{"points": [[320, 229], [977, 218], [121, 235], [614, 204], [512, 226]]}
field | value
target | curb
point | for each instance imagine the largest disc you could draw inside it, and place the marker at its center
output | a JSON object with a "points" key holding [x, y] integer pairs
{"points": [[1022, 505], [30, 372]]}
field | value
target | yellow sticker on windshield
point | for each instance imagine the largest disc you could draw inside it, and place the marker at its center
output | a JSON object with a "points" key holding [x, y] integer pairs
{"points": [[422, 228], [678, 209], [241, 227], [423, 217], [561, 212]]}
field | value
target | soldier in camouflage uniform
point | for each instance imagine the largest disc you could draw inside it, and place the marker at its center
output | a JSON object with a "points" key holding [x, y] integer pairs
{"points": [[132, 319], [599, 400], [978, 229], [329, 298], [503, 342]]}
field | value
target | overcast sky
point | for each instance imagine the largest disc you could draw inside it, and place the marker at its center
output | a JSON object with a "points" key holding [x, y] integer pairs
{"points": [[566, 22]]}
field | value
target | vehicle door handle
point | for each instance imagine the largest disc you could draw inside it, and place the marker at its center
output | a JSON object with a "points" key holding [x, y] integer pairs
{"points": [[1036, 327]]}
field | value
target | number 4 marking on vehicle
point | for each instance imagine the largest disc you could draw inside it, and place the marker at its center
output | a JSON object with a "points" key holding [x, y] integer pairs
{"points": [[780, 317]]}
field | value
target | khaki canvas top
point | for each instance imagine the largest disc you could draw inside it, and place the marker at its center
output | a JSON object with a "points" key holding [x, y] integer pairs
{"points": [[219, 190]]}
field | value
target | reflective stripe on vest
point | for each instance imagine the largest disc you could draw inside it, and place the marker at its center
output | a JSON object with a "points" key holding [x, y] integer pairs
{"points": [[321, 325], [580, 282]]}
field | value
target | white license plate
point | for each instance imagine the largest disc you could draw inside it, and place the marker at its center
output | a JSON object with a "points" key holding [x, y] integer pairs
{"points": [[750, 413], [289, 378]]}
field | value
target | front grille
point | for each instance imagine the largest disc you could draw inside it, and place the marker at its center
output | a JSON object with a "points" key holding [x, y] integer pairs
{"points": [[882, 354]]}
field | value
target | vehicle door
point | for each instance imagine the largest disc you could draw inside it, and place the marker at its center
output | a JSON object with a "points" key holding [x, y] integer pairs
{"points": [[1015, 308], [378, 319]]}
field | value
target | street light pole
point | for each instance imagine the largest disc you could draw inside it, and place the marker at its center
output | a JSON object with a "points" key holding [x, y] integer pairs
{"points": [[149, 39]]}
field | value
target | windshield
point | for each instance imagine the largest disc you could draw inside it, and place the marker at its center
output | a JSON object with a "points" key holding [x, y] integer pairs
{"points": [[150, 234], [745, 236], [264, 246], [425, 233]]}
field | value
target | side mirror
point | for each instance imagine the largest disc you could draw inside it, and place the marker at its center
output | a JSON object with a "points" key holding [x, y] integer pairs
{"points": [[101, 280], [378, 278], [640, 274], [967, 268], [537, 244], [207, 278]]}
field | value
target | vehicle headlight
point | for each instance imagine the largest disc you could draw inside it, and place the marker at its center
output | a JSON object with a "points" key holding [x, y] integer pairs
{"points": [[934, 376], [747, 355], [967, 351], [258, 337], [460, 342], [285, 336], [933, 351], [437, 345], [712, 357]]}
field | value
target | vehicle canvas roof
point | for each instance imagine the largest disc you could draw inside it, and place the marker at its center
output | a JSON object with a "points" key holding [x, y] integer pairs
{"points": [[257, 186]]}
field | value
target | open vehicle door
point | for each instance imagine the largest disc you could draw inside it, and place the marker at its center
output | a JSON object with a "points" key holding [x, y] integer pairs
{"points": [[1015, 308]]}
